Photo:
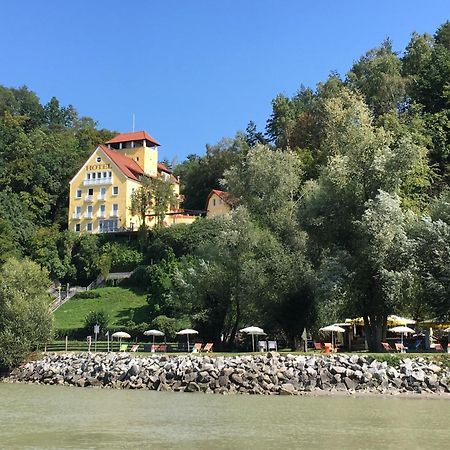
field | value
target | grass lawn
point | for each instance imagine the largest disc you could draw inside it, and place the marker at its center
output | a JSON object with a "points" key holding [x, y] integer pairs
{"points": [[121, 305]]}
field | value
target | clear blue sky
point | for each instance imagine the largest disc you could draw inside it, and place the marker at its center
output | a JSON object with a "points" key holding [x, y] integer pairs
{"points": [[192, 71]]}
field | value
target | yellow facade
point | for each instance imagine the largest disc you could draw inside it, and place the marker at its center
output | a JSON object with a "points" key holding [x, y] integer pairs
{"points": [[217, 206], [100, 193]]}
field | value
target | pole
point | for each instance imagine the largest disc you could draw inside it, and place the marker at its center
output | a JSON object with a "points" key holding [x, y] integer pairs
{"points": [[187, 335], [67, 339]]}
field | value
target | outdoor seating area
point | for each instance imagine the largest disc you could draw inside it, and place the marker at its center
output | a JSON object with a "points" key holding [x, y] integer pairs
{"points": [[411, 337]]}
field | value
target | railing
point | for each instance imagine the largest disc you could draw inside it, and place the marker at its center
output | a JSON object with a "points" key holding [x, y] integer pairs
{"points": [[97, 181], [88, 215], [114, 213], [101, 197], [101, 215], [89, 198], [76, 216]]}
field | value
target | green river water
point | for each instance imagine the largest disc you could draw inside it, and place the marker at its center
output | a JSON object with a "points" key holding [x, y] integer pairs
{"points": [[58, 417]]}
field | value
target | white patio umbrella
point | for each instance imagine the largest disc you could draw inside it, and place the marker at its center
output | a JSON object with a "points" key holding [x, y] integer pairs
{"points": [[187, 332], [153, 333], [403, 330], [254, 331], [120, 335], [334, 329]]}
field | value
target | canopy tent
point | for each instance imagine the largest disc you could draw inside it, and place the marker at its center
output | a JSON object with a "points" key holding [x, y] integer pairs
{"points": [[392, 321]]}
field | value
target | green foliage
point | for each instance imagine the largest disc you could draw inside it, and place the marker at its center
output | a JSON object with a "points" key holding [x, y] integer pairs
{"points": [[121, 304], [169, 326], [199, 175], [86, 294], [98, 317], [25, 319]]}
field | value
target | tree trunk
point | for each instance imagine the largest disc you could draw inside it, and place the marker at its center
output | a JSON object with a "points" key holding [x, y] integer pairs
{"points": [[375, 329]]}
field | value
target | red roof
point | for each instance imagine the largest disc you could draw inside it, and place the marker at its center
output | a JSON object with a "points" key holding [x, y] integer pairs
{"points": [[225, 196], [134, 136], [163, 168], [128, 166]]}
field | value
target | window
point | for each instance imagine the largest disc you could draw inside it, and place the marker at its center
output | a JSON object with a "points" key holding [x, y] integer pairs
{"points": [[102, 192], [78, 210], [214, 202], [78, 194], [99, 159], [109, 174], [93, 176], [89, 226], [88, 176], [90, 191], [102, 208], [89, 210], [105, 174], [115, 207], [99, 174], [77, 227], [115, 190]]}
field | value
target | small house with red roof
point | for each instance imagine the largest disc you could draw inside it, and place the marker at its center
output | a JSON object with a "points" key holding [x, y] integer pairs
{"points": [[101, 191], [218, 203]]}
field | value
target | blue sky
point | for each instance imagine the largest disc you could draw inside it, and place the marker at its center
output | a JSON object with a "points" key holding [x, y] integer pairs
{"points": [[193, 71]]}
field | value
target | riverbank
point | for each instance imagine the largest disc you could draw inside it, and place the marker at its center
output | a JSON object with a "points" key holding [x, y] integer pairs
{"points": [[270, 374]]}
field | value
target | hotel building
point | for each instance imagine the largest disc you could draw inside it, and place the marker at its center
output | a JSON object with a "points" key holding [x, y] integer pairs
{"points": [[100, 193]]}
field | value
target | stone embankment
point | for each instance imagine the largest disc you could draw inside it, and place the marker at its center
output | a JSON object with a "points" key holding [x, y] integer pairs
{"points": [[259, 374]]}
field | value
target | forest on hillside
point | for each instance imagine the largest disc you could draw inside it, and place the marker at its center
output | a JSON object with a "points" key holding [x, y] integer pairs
{"points": [[342, 204]]}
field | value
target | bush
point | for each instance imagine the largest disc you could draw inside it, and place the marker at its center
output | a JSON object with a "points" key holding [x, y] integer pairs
{"points": [[87, 294], [25, 318], [100, 318]]}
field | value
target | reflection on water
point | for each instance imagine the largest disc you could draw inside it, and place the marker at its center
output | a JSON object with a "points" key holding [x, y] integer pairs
{"points": [[57, 417]]}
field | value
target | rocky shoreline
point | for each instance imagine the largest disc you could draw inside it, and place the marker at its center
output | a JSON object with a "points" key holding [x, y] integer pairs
{"points": [[269, 374]]}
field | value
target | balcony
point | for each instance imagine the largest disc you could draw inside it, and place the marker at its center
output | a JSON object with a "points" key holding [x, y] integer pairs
{"points": [[114, 213], [89, 199], [101, 214], [76, 216], [97, 181], [88, 215], [101, 197]]}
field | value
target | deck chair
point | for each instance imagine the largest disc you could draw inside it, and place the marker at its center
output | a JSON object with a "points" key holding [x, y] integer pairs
{"points": [[262, 346], [134, 348], [272, 345], [318, 346], [438, 348], [197, 347], [123, 347], [208, 347], [387, 347], [400, 347]]}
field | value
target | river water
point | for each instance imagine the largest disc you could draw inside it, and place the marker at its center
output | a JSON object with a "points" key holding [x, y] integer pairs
{"points": [[59, 417]]}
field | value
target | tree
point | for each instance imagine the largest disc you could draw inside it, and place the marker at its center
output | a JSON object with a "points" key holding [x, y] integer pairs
{"points": [[199, 175], [377, 75], [25, 318], [154, 197], [365, 172]]}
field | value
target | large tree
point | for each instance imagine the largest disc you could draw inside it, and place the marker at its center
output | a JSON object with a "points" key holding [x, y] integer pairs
{"points": [[365, 171], [25, 318]]}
